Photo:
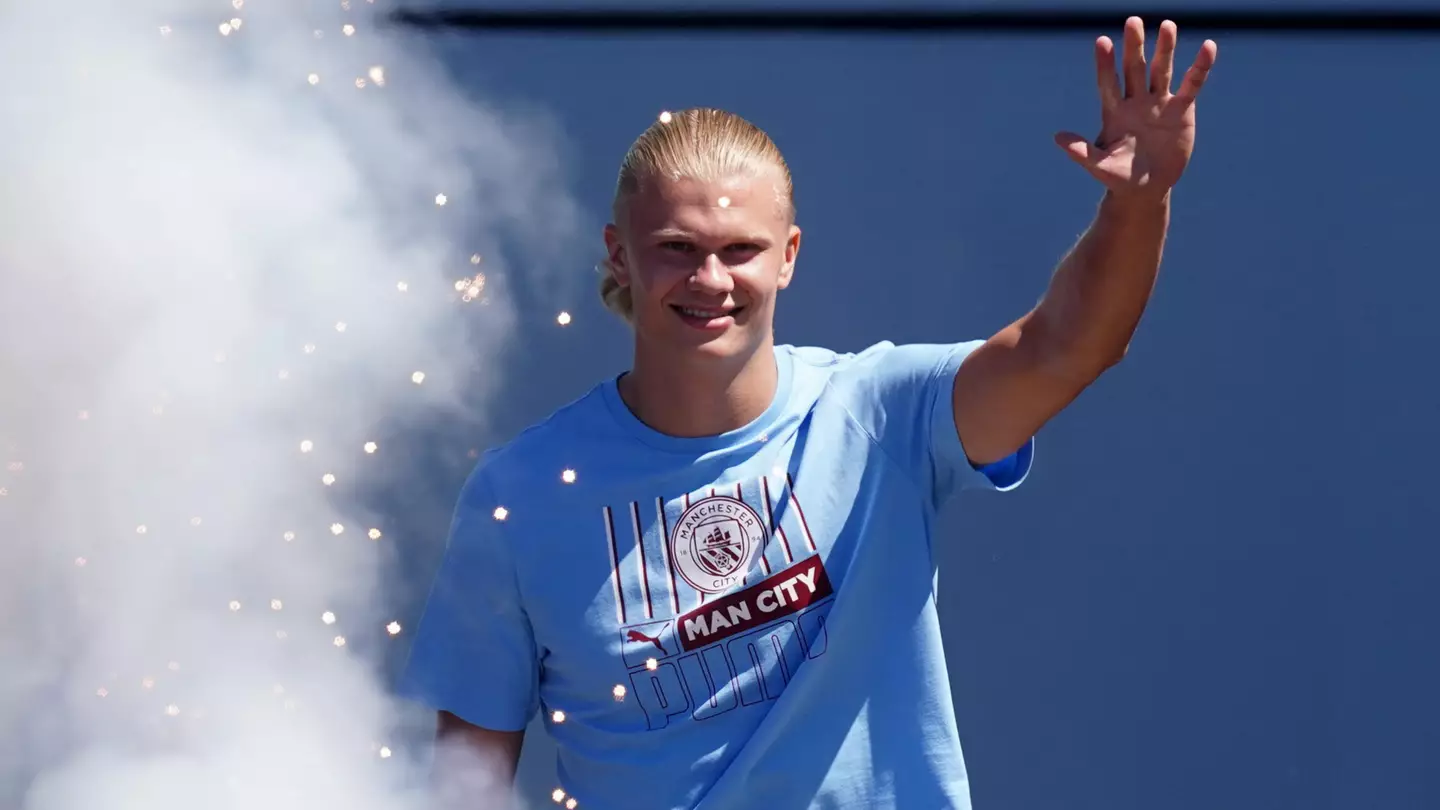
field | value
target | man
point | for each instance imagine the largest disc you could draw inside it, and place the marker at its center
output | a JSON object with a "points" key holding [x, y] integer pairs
{"points": [[714, 573]]}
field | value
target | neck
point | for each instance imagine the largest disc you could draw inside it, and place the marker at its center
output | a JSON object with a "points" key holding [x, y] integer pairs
{"points": [[692, 397]]}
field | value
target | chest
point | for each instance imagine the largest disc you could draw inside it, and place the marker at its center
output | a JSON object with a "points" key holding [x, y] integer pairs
{"points": [[700, 588]]}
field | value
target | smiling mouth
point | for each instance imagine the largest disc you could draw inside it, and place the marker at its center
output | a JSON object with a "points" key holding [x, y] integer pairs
{"points": [[706, 314]]}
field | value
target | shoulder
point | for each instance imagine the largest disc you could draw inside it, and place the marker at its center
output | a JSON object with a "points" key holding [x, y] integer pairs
{"points": [[540, 453], [879, 363]]}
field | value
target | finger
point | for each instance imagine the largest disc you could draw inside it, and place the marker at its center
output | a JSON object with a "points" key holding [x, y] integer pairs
{"points": [[1079, 148], [1195, 77], [1133, 57], [1162, 72], [1106, 75]]}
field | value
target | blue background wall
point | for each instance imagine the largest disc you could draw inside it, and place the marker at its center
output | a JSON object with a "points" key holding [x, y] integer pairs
{"points": [[1217, 589]]}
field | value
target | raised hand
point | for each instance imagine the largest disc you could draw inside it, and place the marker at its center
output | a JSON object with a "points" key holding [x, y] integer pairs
{"points": [[1147, 133]]}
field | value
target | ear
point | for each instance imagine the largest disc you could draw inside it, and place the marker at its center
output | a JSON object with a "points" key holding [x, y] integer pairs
{"points": [[792, 250], [615, 250]]}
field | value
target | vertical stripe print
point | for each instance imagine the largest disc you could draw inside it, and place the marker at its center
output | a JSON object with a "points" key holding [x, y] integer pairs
{"points": [[799, 512], [640, 564], [614, 565], [663, 527], [654, 577], [773, 519], [644, 598]]}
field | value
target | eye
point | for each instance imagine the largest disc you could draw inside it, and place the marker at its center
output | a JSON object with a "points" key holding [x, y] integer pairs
{"points": [[744, 247], [682, 247]]}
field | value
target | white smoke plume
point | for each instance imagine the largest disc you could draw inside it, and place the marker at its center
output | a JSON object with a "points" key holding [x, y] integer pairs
{"points": [[252, 254]]}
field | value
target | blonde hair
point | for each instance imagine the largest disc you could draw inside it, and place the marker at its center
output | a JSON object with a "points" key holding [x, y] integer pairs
{"points": [[701, 143]]}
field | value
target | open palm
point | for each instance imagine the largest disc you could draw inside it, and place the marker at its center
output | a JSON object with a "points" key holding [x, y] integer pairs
{"points": [[1147, 133]]}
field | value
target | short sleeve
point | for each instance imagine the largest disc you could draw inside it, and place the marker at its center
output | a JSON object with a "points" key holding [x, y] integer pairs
{"points": [[474, 652], [910, 409]]}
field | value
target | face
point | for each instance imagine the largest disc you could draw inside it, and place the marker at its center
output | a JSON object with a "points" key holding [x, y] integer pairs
{"points": [[704, 260]]}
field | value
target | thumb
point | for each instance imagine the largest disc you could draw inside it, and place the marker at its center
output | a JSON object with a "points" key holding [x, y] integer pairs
{"points": [[1079, 148]]}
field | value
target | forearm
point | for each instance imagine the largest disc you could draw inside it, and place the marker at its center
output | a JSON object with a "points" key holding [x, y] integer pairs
{"points": [[474, 768], [1100, 289]]}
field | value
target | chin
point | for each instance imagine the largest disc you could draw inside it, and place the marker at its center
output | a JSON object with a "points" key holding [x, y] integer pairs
{"points": [[733, 343]]}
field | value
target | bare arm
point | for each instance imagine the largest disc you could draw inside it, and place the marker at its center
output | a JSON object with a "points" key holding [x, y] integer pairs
{"points": [[474, 767], [1033, 368]]}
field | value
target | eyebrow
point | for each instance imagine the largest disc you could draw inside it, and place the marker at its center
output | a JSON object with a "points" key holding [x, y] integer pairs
{"points": [[680, 233]]}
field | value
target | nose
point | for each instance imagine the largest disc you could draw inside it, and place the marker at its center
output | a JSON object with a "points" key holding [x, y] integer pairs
{"points": [[712, 277]]}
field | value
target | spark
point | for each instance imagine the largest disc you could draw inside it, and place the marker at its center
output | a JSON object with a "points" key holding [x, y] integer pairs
{"points": [[236, 22], [563, 319], [371, 447], [225, 29], [348, 30], [501, 513], [377, 75], [571, 804], [306, 446], [375, 534], [651, 664], [441, 199], [336, 529], [557, 795], [327, 617], [418, 377], [402, 286], [476, 258], [327, 479], [558, 716], [384, 752], [309, 348], [618, 692], [164, 30], [472, 287], [102, 692], [237, 4], [172, 710], [141, 529], [393, 628], [314, 78], [568, 476], [359, 84], [288, 536], [340, 327], [666, 117], [724, 202], [234, 606], [276, 604], [339, 641]]}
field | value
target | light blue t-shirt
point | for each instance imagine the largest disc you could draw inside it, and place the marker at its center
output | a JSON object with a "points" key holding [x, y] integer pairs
{"points": [[739, 621]]}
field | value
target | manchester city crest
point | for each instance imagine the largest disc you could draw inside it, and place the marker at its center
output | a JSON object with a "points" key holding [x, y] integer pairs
{"points": [[714, 542]]}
